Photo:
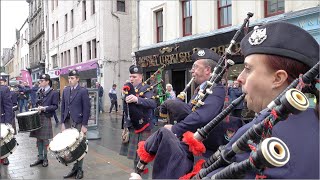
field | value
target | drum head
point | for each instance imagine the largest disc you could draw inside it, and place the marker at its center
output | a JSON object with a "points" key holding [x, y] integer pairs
{"points": [[4, 131], [27, 113], [64, 139]]}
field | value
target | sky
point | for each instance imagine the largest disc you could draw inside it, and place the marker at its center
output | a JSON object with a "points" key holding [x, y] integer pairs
{"points": [[13, 15]]}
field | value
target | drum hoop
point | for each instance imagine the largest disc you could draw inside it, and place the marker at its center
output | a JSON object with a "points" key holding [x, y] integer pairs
{"points": [[6, 126], [28, 113], [71, 147]]}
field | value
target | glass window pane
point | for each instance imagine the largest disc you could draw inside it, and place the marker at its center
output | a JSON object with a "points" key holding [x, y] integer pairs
{"points": [[229, 15], [281, 5], [188, 26], [222, 3], [160, 35]]}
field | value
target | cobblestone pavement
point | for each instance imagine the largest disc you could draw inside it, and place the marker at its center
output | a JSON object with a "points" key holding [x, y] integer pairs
{"points": [[101, 162]]}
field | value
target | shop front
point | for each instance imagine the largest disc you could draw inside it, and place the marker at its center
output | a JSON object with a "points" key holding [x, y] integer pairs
{"points": [[87, 70], [54, 75], [36, 72], [177, 57]]}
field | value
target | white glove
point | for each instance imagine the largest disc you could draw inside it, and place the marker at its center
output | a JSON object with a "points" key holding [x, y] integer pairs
{"points": [[135, 176]]}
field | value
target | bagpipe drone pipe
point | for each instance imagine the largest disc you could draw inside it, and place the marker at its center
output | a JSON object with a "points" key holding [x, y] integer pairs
{"points": [[290, 101], [222, 66], [168, 150]]}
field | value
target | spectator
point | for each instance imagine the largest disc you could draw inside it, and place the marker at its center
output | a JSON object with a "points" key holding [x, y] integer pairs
{"points": [[100, 93], [113, 97], [24, 90], [169, 92], [234, 92], [33, 94]]}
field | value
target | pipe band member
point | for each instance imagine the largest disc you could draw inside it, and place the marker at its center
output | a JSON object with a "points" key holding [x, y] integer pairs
{"points": [[75, 112], [138, 130], [46, 104], [275, 55], [6, 112]]}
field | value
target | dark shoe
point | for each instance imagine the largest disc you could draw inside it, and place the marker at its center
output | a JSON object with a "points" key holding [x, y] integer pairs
{"points": [[45, 163], [79, 174], [71, 173], [6, 161], [37, 162]]}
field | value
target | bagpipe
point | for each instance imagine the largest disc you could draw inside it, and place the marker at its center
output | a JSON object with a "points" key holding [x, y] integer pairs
{"points": [[133, 112], [183, 94], [176, 109], [290, 101], [190, 145], [223, 65], [163, 145]]}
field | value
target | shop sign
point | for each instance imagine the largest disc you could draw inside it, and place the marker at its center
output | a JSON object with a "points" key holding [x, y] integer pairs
{"points": [[181, 52]]}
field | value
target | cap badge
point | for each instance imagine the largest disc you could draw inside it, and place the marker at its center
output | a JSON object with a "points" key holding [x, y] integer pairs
{"points": [[201, 53], [258, 36], [74, 72], [135, 69], [43, 76]]}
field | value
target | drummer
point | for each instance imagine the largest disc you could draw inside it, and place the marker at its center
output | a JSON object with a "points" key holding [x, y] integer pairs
{"points": [[75, 112], [46, 104], [5, 108]]}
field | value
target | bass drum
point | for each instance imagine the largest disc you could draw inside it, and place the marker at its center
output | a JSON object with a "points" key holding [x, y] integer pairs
{"points": [[68, 146], [7, 141]]}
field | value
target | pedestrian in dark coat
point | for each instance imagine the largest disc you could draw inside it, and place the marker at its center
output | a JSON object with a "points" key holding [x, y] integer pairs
{"points": [[6, 112], [75, 112], [273, 59], [46, 104], [33, 94]]}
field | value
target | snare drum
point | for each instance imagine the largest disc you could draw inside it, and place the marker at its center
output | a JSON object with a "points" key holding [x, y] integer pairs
{"points": [[7, 141], [29, 121], [68, 146]]}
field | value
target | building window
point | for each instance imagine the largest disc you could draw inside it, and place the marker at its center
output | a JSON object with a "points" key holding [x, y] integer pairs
{"points": [[57, 30], [121, 5], [224, 13], [93, 7], [187, 17], [89, 50], [52, 32], [84, 10], [69, 57], [71, 19], [75, 55], [66, 23], [94, 49], [35, 27], [27, 35], [21, 40], [54, 61], [273, 7], [40, 51], [52, 5], [61, 59], [80, 53], [159, 25]]}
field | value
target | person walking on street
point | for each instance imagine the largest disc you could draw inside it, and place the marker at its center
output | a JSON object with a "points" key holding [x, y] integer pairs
{"points": [[33, 94], [75, 112], [100, 93], [113, 98]]}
